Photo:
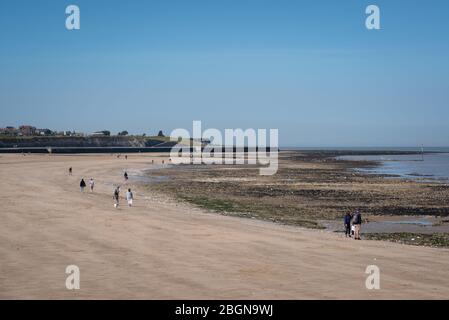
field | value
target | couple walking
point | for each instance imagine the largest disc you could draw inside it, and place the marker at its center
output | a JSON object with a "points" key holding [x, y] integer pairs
{"points": [[129, 197], [91, 185], [353, 224]]}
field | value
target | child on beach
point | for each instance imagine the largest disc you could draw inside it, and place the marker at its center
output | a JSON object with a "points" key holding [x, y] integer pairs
{"points": [[91, 184], [129, 197], [82, 185]]}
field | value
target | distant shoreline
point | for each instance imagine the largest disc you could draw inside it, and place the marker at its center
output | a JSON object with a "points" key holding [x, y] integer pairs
{"points": [[167, 148]]}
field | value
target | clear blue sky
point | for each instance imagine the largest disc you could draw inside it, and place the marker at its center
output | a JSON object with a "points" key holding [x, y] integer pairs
{"points": [[309, 68]]}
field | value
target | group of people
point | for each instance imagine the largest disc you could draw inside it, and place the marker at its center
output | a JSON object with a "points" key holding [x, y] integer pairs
{"points": [[353, 224], [116, 195], [352, 221]]}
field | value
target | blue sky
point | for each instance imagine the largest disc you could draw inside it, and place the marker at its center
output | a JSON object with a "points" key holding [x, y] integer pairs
{"points": [[309, 68]]}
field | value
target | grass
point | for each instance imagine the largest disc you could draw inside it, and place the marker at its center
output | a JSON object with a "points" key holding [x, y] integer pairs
{"points": [[249, 210], [438, 240], [211, 204]]}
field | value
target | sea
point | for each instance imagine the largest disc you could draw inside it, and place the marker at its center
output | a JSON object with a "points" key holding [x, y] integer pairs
{"points": [[432, 165]]}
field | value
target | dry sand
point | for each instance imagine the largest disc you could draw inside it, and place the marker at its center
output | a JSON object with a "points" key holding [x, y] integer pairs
{"points": [[165, 250]]}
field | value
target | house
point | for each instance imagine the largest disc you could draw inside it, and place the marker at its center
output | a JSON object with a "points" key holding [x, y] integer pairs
{"points": [[9, 131], [44, 132], [72, 134], [101, 133], [27, 130]]}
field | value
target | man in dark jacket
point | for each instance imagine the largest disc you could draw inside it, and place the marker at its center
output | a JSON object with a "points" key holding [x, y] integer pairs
{"points": [[82, 185], [347, 222]]}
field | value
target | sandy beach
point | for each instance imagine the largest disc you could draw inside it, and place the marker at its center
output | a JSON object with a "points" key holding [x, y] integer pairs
{"points": [[163, 249]]}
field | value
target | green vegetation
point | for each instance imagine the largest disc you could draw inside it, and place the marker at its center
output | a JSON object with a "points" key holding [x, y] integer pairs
{"points": [[439, 240], [251, 209], [211, 204], [19, 138], [246, 207]]}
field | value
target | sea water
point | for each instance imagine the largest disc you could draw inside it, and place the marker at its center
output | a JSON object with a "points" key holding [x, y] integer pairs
{"points": [[427, 167]]}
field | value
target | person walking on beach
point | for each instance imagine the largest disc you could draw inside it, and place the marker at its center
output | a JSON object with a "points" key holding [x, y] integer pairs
{"points": [[129, 197], [70, 171], [116, 197], [347, 222], [82, 185], [92, 184], [126, 175], [357, 222]]}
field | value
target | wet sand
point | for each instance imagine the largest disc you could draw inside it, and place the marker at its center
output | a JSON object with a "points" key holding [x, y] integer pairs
{"points": [[163, 249]]}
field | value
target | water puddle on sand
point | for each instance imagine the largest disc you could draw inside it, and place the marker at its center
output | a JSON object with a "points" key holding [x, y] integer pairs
{"points": [[145, 176], [396, 224], [415, 222], [139, 176]]}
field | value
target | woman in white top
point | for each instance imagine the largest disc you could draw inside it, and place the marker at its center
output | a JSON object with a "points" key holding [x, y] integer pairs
{"points": [[129, 197]]}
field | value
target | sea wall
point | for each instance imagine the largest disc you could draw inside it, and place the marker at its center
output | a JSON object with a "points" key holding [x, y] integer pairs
{"points": [[77, 142]]}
